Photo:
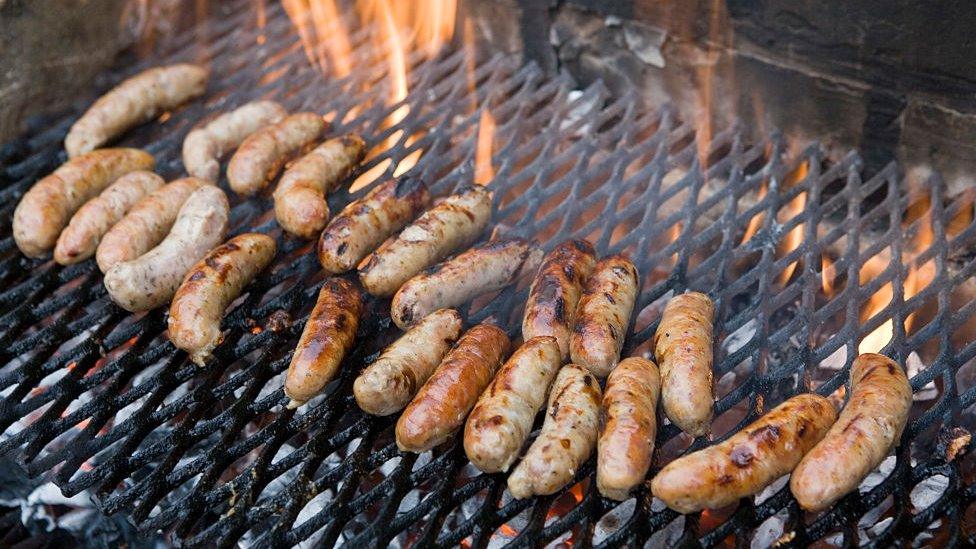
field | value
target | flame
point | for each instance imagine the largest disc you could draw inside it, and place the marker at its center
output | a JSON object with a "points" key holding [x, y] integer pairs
{"points": [[794, 238], [262, 21], [753, 227], [484, 172], [827, 275], [328, 23]]}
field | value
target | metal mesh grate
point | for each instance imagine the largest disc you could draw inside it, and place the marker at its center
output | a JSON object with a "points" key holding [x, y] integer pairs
{"points": [[99, 400]]}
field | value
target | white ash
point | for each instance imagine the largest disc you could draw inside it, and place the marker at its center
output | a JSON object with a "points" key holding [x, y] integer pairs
{"points": [[501, 538], [769, 531], [580, 109], [877, 529], [561, 540], [740, 337], [315, 506], [878, 475], [667, 536], [927, 492], [914, 366], [772, 489], [612, 521], [836, 361], [871, 517]]}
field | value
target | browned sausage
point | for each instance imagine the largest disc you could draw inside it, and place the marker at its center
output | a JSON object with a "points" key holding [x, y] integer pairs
{"points": [[683, 345], [327, 337], [749, 461], [263, 153], [556, 290], [444, 401], [205, 146], [603, 315], [502, 420], [867, 429], [626, 441]]}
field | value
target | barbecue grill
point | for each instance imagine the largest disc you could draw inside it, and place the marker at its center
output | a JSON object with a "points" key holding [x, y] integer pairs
{"points": [[99, 402]]}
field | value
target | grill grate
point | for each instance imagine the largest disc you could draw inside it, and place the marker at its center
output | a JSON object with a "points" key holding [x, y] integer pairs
{"points": [[97, 400]]}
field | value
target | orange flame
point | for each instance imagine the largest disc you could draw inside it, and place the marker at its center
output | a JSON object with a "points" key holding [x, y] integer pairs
{"points": [[827, 275], [262, 22], [329, 29], [484, 172], [753, 227], [794, 238]]}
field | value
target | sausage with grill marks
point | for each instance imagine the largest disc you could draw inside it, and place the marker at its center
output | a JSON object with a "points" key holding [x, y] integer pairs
{"points": [[556, 291], [388, 384], [747, 462], [440, 407], [501, 422], [146, 224], [328, 335], [151, 279], [866, 431], [48, 206], [683, 345], [485, 268], [626, 442], [80, 238], [454, 223], [603, 315], [205, 146], [567, 437], [134, 101], [299, 199], [263, 153], [209, 287]]}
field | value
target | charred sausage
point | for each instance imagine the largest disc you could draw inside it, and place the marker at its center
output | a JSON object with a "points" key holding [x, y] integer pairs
{"points": [[80, 238], [556, 291], [454, 223], [485, 268], [867, 429], [502, 420], [388, 384], [683, 345], [747, 462], [205, 146], [151, 279], [626, 441], [299, 198], [364, 224], [603, 315], [209, 287], [567, 438], [48, 206], [263, 153], [327, 337], [440, 407]]}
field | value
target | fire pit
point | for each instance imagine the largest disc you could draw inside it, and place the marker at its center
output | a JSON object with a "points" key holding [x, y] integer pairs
{"points": [[809, 257]]}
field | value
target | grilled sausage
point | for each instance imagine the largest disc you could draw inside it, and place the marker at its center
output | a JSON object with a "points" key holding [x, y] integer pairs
{"points": [[146, 224], [683, 345], [440, 407], [327, 337], [80, 238], [485, 268], [567, 437], [388, 384], [364, 224], [136, 100], [556, 290], [867, 429], [603, 315], [299, 199], [454, 223], [205, 146], [747, 462], [151, 279], [209, 287], [626, 441], [263, 153], [48, 206], [502, 420]]}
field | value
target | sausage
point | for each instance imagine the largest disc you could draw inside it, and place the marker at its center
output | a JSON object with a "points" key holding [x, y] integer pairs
{"points": [[502, 419], [556, 290], [204, 146], [209, 287], [48, 206], [603, 315], [299, 199], [146, 224], [136, 100], [80, 238], [151, 279], [567, 437], [485, 268], [454, 223], [364, 224], [392, 380], [747, 462], [867, 429], [328, 335], [263, 153], [629, 426], [683, 345], [441, 405]]}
